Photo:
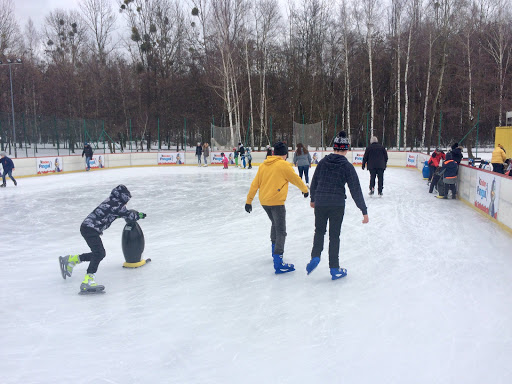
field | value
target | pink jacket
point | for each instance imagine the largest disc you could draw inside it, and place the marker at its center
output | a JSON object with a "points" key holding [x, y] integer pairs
{"points": [[225, 161]]}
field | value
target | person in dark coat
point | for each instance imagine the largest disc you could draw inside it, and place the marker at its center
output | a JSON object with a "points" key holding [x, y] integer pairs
{"points": [[328, 199], [88, 155], [92, 228], [8, 167], [199, 152], [375, 159], [269, 151], [449, 173], [457, 153]]}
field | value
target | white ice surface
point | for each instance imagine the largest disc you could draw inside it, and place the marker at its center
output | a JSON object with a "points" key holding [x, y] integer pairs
{"points": [[427, 298]]}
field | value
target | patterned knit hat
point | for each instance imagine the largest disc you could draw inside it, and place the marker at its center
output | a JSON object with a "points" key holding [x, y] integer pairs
{"points": [[341, 142]]}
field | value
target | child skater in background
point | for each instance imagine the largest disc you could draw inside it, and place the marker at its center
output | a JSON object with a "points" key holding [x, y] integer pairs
{"points": [[91, 229], [225, 160]]}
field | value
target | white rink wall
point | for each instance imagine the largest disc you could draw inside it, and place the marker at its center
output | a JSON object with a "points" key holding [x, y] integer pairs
{"points": [[467, 181]]}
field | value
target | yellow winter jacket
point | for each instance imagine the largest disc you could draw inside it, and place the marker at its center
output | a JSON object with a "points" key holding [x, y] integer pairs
{"points": [[272, 180], [498, 155]]}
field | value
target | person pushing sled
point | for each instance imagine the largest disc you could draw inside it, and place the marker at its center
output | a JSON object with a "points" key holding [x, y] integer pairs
{"points": [[91, 229]]}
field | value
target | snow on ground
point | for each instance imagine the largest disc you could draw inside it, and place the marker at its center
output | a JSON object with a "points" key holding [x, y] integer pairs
{"points": [[426, 300]]}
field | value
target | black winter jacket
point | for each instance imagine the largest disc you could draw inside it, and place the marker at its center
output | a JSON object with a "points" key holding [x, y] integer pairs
{"points": [[112, 208], [199, 150], [457, 155], [328, 184], [375, 157], [87, 151]]}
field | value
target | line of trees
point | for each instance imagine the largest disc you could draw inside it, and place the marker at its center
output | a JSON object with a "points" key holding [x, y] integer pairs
{"points": [[398, 69]]}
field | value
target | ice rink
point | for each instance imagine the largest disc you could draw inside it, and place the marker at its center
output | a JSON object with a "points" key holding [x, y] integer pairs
{"points": [[427, 299]]}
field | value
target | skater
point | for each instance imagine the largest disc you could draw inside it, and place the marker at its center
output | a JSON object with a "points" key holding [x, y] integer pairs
{"points": [[248, 156], [235, 154], [328, 200], [91, 229], [225, 160], [499, 157], [8, 166], [302, 160], [241, 150], [199, 151], [434, 162], [449, 174], [206, 153], [272, 181], [269, 151], [375, 159], [457, 153], [88, 156]]}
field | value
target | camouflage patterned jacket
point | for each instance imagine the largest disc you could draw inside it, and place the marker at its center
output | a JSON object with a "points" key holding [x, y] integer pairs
{"points": [[110, 209]]}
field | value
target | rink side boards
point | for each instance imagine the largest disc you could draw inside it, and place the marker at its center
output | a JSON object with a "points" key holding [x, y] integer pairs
{"points": [[468, 179]]}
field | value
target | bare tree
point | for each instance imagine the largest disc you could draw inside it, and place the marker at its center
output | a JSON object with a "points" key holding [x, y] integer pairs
{"points": [[10, 37], [499, 46], [100, 19], [369, 11]]}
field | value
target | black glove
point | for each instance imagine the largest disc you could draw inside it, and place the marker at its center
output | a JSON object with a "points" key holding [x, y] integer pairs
{"points": [[248, 208], [142, 215], [306, 195]]}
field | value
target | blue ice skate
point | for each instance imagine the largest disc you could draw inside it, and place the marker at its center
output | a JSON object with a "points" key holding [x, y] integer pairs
{"points": [[281, 267], [338, 273], [312, 264], [273, 247]]}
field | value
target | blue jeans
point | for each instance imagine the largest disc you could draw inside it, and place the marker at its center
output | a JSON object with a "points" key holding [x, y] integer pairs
{"points": [[304, 169], [87, 162], [9, 173]]}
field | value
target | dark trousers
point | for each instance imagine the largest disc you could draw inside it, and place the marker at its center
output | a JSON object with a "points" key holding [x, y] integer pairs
{"points": [[380, 173], [432, 169], [250, 163], [453, 188], [93, 240], [304, 169], [498, 168], [277, 215], [8, 173], [433, 183], [335, 217]]}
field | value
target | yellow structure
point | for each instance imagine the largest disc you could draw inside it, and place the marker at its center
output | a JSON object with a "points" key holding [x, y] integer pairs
{"points": [[504, 137]]}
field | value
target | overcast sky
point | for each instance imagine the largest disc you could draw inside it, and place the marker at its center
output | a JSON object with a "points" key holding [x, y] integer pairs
{"points": [[38, 9]]}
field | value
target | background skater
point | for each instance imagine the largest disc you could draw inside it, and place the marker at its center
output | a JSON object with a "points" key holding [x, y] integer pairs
{"points": [[375, 158]]}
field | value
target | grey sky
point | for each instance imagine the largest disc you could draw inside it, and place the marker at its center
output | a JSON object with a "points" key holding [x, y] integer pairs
{"points": [[38, 9]]}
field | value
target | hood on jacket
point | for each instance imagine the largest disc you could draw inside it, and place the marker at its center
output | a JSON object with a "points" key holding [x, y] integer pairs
{"points": [[122, 193], [333, 160], [270, 160], [449, 156]]}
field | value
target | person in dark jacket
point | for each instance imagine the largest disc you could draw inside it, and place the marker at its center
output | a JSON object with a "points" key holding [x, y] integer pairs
{"points": [[328, 199], [199, 152], [241, 151], [8, 167], [88, 155], [269, 151], [449, 174], [92, 228], [457, 153], [375, 159]]}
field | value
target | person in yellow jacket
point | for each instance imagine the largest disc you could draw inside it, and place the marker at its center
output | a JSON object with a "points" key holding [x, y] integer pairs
{"points": [[272, 180], [498, 158]]}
